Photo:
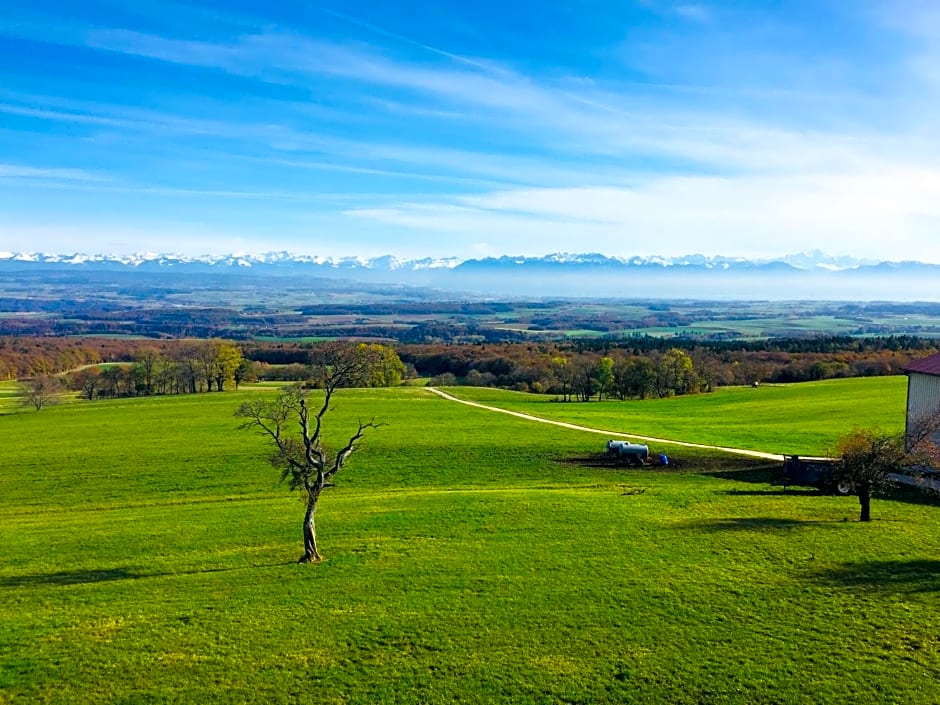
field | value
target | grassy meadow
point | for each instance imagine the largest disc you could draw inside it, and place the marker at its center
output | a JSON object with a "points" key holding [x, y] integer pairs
{"points": [[777, 418], [148, 557], [9, 397]]}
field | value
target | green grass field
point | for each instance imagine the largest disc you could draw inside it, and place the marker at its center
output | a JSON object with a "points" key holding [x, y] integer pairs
{"points": [[9, 397], [802, 418], [148, 557]]}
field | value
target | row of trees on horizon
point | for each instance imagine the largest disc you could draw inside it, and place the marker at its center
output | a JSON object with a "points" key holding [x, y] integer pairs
{"points": [[216, 365], [574, 372]]}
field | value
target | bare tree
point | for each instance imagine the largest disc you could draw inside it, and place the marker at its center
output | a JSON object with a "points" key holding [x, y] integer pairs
{"points": [[110, 381], [148, 363], [186, 357], [564, 375], [300, 455], [41, 390]]}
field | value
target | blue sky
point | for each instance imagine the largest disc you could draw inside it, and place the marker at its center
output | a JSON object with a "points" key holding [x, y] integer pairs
{"points": [[469, 129]]}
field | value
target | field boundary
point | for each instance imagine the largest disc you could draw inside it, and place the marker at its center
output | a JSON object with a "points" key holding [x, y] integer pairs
{"points": [[604, 432]]}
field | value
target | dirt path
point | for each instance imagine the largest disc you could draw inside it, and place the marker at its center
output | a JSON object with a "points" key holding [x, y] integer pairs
{"points": [[603, 432]]}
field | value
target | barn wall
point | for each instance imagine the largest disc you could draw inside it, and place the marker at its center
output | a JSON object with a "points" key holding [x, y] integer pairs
{"points": [[923, 396]]}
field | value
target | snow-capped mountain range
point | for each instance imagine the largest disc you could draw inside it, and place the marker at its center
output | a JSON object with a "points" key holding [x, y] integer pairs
{"points": [[807, 275], [804, 261], [267, 259]]}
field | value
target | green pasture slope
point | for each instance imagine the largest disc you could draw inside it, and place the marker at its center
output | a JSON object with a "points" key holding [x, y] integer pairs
{"points": [[8, 396], [796, 418], [148, 557]]}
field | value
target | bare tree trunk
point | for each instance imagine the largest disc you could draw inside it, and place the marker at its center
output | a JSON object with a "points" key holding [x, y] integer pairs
{"points": [[311, 554], [864, 499]]}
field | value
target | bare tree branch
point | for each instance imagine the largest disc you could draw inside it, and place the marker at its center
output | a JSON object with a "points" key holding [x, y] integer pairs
{"points": [[350, 446]]}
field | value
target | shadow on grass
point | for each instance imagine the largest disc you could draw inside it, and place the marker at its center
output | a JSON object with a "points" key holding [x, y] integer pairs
{"points": [[752, 524], [82, 577], [883, 576], [69, 577], [911, 495], [774, 492], [745, 470], [897, 493]]}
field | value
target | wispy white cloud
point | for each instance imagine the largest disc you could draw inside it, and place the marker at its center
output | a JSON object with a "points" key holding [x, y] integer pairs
{"points": [[689, 11], [57, 115], [179, 51], [692, 11], [370, 171], [15, 172], [398, 37], [62, 180]]}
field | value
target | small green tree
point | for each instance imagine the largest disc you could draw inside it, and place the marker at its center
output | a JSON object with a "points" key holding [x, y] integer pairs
{"points": [[384, 367], [228, 358], [869, 458], [604, 373], [639, 378], [677, 374], [247, 371]]}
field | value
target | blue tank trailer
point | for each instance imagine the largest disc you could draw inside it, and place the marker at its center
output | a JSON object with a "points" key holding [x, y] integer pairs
{"points": [[633, 453]]}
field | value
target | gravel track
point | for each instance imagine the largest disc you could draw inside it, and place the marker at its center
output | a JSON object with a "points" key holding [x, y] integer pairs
{"points": [[606, 432]]}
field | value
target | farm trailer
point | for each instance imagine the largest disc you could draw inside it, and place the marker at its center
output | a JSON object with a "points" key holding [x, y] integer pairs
{"points": [[822, 473]]}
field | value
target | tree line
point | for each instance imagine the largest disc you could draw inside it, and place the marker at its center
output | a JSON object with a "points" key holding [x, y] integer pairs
{"points": [[188, 368], [583, 370], [215, 365], [575, 370]]}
